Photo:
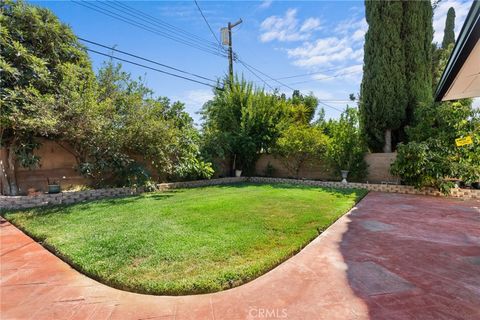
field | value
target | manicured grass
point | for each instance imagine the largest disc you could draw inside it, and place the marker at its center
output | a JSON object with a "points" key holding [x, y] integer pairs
{"points": [[190, 240]]}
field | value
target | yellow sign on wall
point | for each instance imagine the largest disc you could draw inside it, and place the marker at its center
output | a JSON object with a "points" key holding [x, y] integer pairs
{"points": [[463, 141]]}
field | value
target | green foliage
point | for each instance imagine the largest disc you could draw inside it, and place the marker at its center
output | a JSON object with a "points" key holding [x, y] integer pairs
{"points": [[417, 36], [299, 144], [119, 132], [194, 170], [137, 127], [346, 148], [397, 69], [449, 31], [432, 158], [383, 89], [301, 109], [44, 71], [240, 122]]}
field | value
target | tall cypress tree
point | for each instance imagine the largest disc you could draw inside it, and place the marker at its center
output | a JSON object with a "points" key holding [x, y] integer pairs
{"points": [[383, 96], [417, 36], [449, 31]]}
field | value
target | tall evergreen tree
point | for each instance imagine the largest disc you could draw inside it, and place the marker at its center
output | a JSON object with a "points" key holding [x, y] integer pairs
{"points": [[383, 89], [417, 35], [449, 31]]}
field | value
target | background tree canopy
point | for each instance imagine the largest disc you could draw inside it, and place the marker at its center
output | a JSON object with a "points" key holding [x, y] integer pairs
{"points": [[120, 133]]}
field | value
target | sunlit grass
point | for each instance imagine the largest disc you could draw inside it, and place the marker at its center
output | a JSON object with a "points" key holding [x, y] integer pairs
{"points": [[190, 240]]}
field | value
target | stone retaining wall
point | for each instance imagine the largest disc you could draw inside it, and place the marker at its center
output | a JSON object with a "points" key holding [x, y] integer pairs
{"points": [[21, 202], [455, 193], [200, 183]]}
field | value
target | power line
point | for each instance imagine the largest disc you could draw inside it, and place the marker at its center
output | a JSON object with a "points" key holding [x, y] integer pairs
{"points": [[164, 24], [151, 68], [256, 75], [148, 26], [208, 24], [145, 27], [266, 75], [313, 73], [153, 22], [325, 78], [145, 59], [285, 85]]}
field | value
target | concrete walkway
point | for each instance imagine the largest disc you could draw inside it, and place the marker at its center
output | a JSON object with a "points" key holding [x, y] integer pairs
{"points": [[393, 257]]}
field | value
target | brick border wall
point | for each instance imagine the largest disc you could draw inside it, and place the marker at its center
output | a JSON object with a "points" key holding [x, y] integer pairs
{"points": [[200, 183], [22, 202], [455, 193]]}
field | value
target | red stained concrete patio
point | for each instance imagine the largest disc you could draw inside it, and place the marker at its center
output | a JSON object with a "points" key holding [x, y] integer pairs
{"points": [[393, 257]]}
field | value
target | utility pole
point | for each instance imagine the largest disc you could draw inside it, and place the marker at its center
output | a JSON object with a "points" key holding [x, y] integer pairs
{"points": [[227, 40]]}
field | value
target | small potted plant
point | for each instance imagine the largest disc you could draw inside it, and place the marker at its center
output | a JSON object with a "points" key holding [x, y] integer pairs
{"points": [[53, 186]]}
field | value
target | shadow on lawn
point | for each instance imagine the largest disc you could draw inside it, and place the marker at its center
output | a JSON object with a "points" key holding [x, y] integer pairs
{"points": [[337, 192]]}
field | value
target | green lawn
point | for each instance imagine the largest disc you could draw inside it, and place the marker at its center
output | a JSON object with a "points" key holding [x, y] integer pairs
{"points": [[189, 240]]}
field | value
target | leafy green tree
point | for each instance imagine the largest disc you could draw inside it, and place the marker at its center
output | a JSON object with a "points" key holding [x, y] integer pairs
{"points": [[141, 133], [302, 108], [347, 148], [383, 89], [449, 31], [44, 72], [240, 122], [299, 145], [417, 36], [433, 159]]}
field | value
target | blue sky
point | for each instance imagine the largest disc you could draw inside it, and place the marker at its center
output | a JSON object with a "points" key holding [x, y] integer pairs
{"points": [[280, 38]]}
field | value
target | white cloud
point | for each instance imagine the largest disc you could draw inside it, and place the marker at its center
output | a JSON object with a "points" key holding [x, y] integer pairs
{"points": [[346, 46], [287, 28], [194, 100], [265, 4], [310, 24], [440, 15]]}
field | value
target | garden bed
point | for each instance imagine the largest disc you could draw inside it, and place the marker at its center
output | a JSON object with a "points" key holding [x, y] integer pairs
{"points": [[187, 241]]}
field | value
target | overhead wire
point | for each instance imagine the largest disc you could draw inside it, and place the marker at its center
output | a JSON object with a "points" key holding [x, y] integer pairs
{"points": [[145, 27], [208, 24], [145, 59], [151, 68], [313, 73], [167, 25], [327, 77], [285, 85]]}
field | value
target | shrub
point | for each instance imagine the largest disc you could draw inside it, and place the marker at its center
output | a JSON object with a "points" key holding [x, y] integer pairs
{"points": [[432, 158], [194, 169], [347, 148], [300, 144]]}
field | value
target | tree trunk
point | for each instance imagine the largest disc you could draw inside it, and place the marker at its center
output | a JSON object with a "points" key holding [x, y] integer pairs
{"points": [[8, 172], [387, 147], [4, 184]]}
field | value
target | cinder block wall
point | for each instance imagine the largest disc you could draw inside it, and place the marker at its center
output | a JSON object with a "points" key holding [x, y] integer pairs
{"points": [[56, 163], [312, 170], [378, 168]]}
